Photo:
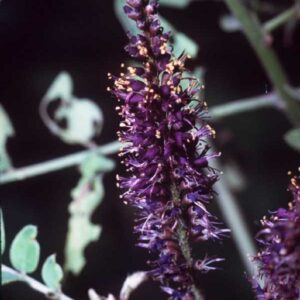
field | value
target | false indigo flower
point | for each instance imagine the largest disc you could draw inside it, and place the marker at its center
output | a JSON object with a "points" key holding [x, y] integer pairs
{"points": [[166, 154], [279, 258]]}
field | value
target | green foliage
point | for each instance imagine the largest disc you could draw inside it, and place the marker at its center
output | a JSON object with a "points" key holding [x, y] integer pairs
{"points": [[87, 195], [8, 277], [6, 131], [52, 273], [84, 130], [2, 233], [292, 138], [25, 250], [71, 109]]}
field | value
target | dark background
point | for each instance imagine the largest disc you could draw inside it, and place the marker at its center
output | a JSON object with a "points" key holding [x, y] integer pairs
{"points": [[41, 38]]}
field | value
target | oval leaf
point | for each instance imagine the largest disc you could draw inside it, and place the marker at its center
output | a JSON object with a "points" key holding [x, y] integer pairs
{"points": [[90, 116], [292, 138], [52, 273], [2, 233], [25, 250]]}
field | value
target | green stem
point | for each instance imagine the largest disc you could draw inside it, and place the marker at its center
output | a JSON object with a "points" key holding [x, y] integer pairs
{"points": [[257, 38], [244, 105], [56, 164], [34, 284], [184, 244], [279, 20], [235, 221]]}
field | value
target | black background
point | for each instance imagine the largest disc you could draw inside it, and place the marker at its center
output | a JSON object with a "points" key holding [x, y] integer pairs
{"points": [[41, 38]]}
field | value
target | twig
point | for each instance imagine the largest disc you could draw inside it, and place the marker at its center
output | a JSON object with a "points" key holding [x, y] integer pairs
{"points": [[244, 105], [34, 284], [235, 221], [56, 164], [258, 39], [282, 18]]}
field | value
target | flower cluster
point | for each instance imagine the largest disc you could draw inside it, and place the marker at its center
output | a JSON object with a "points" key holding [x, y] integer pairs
{"points": [[166, 154], [279, 259]]}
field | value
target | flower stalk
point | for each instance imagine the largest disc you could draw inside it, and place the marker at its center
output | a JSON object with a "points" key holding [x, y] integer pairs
{"points": [[165, 154]]}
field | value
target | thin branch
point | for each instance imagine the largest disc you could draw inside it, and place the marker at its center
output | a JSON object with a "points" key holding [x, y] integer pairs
{"points": [[282, 18], [34, 284], [56, 164], [244, 105], [258, 39], [235, 221]]}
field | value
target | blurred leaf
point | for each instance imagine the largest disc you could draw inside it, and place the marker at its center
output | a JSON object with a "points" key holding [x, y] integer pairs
{"points": [[7, 277], [6, 130], [292, 138], [176, 3], [84, 120], [25, 250], [2, 233], [52, 273], [87, 195], [229, 23], [61, 87]]}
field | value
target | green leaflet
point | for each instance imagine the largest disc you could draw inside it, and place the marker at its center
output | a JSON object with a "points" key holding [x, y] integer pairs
{"points": [[292, 138], [71, 109], [52, 273], [25, 250], [6, 131], [87, 195]]}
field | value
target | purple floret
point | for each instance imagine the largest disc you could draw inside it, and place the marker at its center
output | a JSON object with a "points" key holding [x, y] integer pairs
{"points": [[279, 258]]}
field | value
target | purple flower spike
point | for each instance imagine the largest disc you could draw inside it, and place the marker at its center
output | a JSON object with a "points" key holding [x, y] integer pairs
{"points": [[166, 156], [279, 258]]}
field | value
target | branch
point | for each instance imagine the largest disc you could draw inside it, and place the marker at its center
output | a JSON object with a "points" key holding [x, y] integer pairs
{"points": [[56, 164], [282, 18], [235, 221], [244, 105], [34, 284], [257, 38]]}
